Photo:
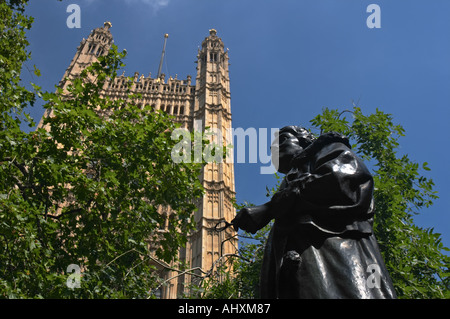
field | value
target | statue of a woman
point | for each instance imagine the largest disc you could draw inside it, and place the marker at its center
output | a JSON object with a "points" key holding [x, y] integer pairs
{"points": [[321, 244]]}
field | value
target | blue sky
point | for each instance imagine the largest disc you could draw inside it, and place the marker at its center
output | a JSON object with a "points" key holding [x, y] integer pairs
{"points": [[289, 59]]}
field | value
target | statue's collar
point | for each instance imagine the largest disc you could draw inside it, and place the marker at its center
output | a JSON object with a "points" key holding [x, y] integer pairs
{"points": [[320, 142]]}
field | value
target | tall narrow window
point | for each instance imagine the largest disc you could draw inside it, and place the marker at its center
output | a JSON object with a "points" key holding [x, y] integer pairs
{"points": [[90, 48]]}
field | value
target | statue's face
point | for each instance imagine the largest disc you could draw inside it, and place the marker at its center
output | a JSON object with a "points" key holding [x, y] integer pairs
{"points": [[283, 150]]}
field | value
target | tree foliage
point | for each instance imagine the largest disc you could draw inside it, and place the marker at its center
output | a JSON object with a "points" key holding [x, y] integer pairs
{"points": [[13, 43], [85, 190]]}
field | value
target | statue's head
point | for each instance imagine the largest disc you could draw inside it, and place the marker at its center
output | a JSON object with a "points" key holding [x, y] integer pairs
{"points": [[289, 142]]}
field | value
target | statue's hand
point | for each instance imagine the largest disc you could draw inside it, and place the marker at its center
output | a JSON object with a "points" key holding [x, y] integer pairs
{"points": [[244, 221]]}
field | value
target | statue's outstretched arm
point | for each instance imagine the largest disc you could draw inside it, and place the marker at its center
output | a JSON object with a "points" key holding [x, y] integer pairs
{"points": [[252, 219]]}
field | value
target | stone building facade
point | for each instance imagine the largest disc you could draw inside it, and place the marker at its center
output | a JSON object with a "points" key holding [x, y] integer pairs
{"points": [[197, 104]]}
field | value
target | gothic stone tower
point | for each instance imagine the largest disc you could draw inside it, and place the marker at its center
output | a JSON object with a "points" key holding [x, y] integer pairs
{"points": [[196, 106], [212, 109]]}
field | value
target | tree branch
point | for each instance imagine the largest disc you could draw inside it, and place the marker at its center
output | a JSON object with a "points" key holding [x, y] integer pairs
{"points": [[191, 271]]}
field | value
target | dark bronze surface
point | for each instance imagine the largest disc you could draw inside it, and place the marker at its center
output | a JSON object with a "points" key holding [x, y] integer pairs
{"points": [[321, 244]]}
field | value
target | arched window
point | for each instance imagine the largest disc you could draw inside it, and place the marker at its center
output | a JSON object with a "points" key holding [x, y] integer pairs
{"points": [[91, 48]]}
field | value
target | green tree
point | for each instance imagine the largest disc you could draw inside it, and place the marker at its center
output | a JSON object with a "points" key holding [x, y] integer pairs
{"points": [[13, 43], [85, 191], [415, 257]]}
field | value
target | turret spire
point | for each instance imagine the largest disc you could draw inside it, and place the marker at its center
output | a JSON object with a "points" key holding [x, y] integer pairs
{"points": [[162, 56]]}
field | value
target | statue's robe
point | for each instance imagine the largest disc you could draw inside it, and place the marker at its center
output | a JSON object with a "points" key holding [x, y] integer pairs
{"points": [[322, 244]]}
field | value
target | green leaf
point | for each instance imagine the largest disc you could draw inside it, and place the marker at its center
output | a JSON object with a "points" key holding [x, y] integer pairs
{"points": [[37, 72]]}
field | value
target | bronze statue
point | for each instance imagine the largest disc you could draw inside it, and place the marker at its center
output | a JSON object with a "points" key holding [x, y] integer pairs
{"points": [[321, 244]]}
